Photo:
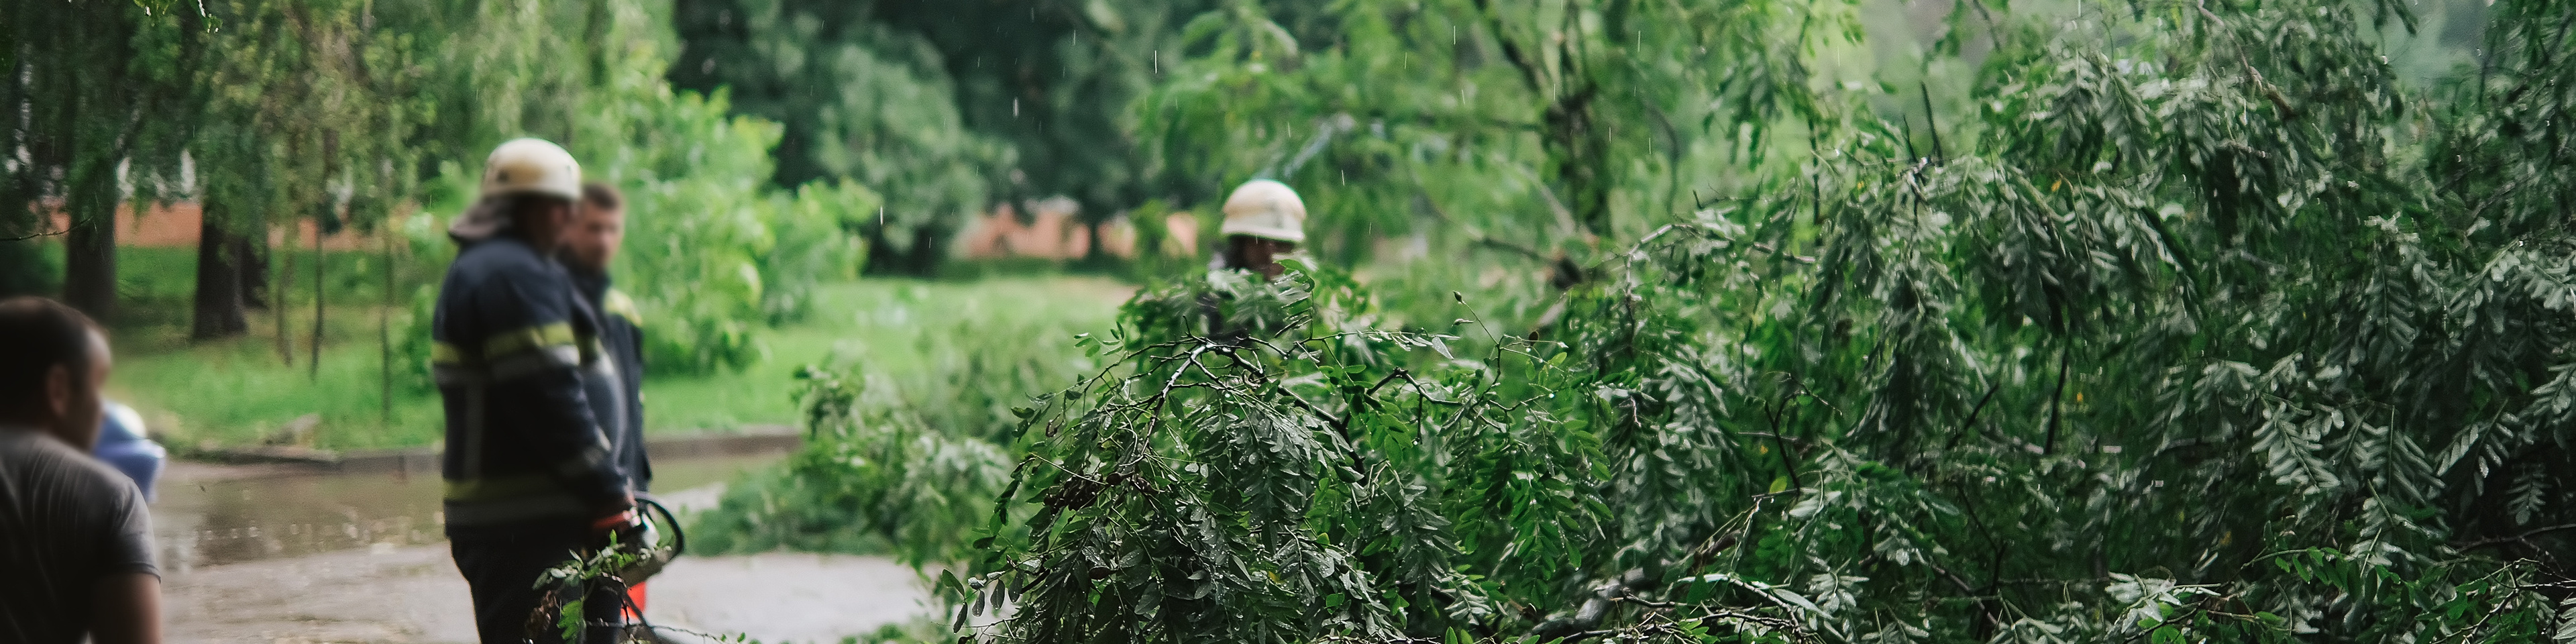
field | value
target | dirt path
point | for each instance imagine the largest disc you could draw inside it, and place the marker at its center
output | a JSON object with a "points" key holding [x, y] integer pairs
{"points": [[413, 594]]}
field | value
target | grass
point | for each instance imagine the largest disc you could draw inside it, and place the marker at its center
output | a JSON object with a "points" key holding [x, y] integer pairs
{"points": [[885, 326], [238, 391]]}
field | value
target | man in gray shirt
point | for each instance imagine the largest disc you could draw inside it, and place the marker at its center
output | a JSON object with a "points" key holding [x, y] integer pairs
{"points": [[75, 540]]}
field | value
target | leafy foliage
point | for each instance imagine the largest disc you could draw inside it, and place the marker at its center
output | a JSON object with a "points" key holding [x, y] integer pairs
{"points": [[1049, 79], [944, 107], [901, 461], [713, 254], [860, 101], [702, 216], [304, 96], [355, 114], [2207, 328], [97, 92], [873, 480], [1528, 125]]}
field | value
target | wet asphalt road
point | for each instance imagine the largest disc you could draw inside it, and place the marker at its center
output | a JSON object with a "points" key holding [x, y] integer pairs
{"points": [[412, 594], [262, 555]]}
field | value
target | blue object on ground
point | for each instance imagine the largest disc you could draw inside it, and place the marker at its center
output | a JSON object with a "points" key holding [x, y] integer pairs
{"points": [[123, 444]]}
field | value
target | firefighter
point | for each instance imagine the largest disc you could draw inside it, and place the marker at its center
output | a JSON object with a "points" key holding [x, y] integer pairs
{"points": [[1264, 219], [618, 397], [531, 478], [587, 252]]}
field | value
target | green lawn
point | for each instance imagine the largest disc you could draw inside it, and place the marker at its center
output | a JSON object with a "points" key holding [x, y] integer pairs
{"points": [[235, 392], [884, 326]]}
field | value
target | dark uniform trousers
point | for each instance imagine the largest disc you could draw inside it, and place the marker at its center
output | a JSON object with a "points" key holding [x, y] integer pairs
{"points": [[502, 564]]}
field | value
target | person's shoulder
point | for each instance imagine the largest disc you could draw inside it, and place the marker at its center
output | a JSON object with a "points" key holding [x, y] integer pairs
{"points": [[30, 457], [504, 259], [498, 251], [618, 305]]}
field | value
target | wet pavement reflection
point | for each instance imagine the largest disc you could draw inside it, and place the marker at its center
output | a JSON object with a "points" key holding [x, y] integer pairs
{"points": [[260, 513], [273, 554]]}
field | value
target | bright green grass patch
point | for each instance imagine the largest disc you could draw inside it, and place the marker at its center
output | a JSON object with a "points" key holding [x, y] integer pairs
{"points": [[889, 327], [239, 391]]}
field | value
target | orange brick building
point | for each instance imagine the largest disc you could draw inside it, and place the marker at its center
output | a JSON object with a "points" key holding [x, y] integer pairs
{"points": [[176, 225]]}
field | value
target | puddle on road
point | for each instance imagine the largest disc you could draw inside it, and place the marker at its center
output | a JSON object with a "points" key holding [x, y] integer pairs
{"points": [[216, 522]]}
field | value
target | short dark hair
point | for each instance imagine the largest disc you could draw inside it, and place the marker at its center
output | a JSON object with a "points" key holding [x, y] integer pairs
{"points": [[602, 195], [42, 334]]}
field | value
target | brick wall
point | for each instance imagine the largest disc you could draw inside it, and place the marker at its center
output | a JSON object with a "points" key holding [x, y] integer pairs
{"points": [[176, 225], [1053, 233]]}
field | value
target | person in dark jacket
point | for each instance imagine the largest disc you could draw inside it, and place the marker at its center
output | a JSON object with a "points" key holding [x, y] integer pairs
{"points": [[618, 401], [588, 250], [530, 476]]}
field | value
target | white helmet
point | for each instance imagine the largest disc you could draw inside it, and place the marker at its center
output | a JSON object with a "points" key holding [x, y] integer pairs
{"points": [[531, 166], [1266, 209]]}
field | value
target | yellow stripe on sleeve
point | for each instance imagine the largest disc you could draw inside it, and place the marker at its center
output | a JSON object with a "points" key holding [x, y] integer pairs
{"points": [[533, 338]]}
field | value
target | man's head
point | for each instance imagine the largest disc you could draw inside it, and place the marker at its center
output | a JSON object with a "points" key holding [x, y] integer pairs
{"points": [[533, 185], [593, 241], [1263, 220], [1257, 254], [51, 370], [542, 220]]}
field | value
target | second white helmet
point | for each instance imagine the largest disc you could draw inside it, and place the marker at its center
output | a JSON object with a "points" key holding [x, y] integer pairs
{"points": [[1266, 209], [531, 166]]}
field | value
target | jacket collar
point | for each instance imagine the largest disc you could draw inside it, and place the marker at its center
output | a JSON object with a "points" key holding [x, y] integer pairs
{"points": [[593, 284]]}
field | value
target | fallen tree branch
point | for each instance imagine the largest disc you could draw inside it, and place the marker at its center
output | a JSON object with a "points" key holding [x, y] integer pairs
{"points": [[1587, 618], [2534, 532]]}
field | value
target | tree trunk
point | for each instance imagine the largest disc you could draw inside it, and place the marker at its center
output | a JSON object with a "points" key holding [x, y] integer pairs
{"points": [[1093, 251], [322, 219], [1581, 151], [385, 322], [252, 253], [220, 284], [285, 284], [89, 255], [919, 258], [319, 260]]}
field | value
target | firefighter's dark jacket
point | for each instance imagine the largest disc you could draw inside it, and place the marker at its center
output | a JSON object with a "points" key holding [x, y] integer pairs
{"points": [[621, 334], [517, 347]]}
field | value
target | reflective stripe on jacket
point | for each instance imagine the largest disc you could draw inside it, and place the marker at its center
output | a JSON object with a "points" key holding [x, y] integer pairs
{"points": [[516, 348]]}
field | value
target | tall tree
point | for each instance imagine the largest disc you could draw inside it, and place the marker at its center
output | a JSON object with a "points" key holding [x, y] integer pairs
{"points": [[861, 100], [101, 91], [316, 115], [1052, 78], [1041, 89]]}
